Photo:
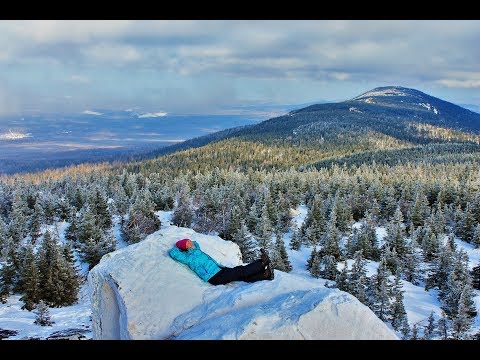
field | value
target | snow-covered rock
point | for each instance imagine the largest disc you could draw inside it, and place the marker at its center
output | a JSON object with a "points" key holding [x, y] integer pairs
{"points": [[139, 292]]}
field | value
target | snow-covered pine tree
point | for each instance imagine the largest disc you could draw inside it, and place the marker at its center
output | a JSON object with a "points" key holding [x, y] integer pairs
{"points": [[342, 279], [430, 329], [314, 225], [8, 272], [357, 277], [313, 262], [418, 209], [443, 326], [379, 291], [295, 242], [411, 263], [99, 207], [280, 259], [457, 279], [43, 317], [328, 267], [38, 218], [30, 278], [245, 242], [439, 269], [476, 237], [476, 277], [183, 213], [332, 238], [264, 231], [414, 335], [395, 237], [465, 315], [398, 316]]}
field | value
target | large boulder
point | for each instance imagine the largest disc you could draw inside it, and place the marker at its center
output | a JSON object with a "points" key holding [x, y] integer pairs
{"points": [[139, 292]]}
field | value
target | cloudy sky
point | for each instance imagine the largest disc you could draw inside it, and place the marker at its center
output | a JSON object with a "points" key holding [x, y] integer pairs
{"points": [[209, 66]]}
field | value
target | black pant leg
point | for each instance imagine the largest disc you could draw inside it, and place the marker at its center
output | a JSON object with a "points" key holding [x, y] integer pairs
{"points": [[237, 273]]}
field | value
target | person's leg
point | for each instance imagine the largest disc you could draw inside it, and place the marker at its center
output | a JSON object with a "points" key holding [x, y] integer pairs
{"points": [[237, 273]]}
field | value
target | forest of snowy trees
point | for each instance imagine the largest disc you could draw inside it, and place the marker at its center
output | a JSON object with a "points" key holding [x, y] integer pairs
{"points": [[421, 207]]}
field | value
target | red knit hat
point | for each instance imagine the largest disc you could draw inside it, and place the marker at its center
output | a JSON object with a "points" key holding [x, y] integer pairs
{"points": [[182, 244]]}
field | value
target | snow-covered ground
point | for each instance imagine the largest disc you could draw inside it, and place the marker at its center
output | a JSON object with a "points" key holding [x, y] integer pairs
{"points": [[418, 302]]}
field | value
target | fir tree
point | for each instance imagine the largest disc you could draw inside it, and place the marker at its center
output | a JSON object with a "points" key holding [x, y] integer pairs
{"points": [[442, 326], [476, 237], [313, 262], [43, 317], [183, 213], [264, 231], [476, 277], [411, 265], [380, 289], [414, 335], [342, 279], [430, 328], [38, 218], [465, 315], [245, 242], [328, 267], [99, 207], [398, 313], [418, 210], [295, 242], [395, 237], [280, 259], [30, 280], [357, 282], [332, 239]]}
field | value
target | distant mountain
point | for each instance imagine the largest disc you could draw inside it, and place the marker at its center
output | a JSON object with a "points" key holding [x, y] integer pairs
{"points": [[369, 126]]}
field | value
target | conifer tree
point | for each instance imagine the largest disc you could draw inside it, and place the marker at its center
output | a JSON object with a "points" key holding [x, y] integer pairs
{"points": [[3, 236], [476, 277], [442, 326], [313, 262], [332, 238], [398, 313], [430, 328], [411, 265], [280, 259], [379, 290], [414, 335], [99, 207], [328, 267], [264, 231], [183, 213], [245, 242], [30, 280], [38, 218], [476, 237], [71, 232], [357, 278], [465, 315], [395, 237], [295, 242], [342, 279], [418, 210], [43, 317]]}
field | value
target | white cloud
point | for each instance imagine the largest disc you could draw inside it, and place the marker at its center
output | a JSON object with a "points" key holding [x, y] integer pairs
{"points": [[76, 31], [112, 53], [150, 115], [79, 79], [457, 83], [89, 112]]}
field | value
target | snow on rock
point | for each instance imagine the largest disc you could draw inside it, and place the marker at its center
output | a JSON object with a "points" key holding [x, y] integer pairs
{"points": [[139, 292]]}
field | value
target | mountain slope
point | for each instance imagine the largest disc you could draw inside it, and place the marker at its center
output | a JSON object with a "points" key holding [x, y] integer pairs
{"points": [[385, 123]]}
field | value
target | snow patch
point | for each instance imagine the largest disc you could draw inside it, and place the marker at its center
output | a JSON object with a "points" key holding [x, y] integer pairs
{"points": [[14, 135], [385, 92], [354, 109]]}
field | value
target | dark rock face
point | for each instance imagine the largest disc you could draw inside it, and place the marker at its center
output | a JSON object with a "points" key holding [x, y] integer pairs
{"points": [[4, 333], [69, 334]]}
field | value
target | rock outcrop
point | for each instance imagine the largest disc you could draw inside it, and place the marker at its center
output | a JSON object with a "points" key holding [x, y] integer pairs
{"points": [[139, 292]]}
